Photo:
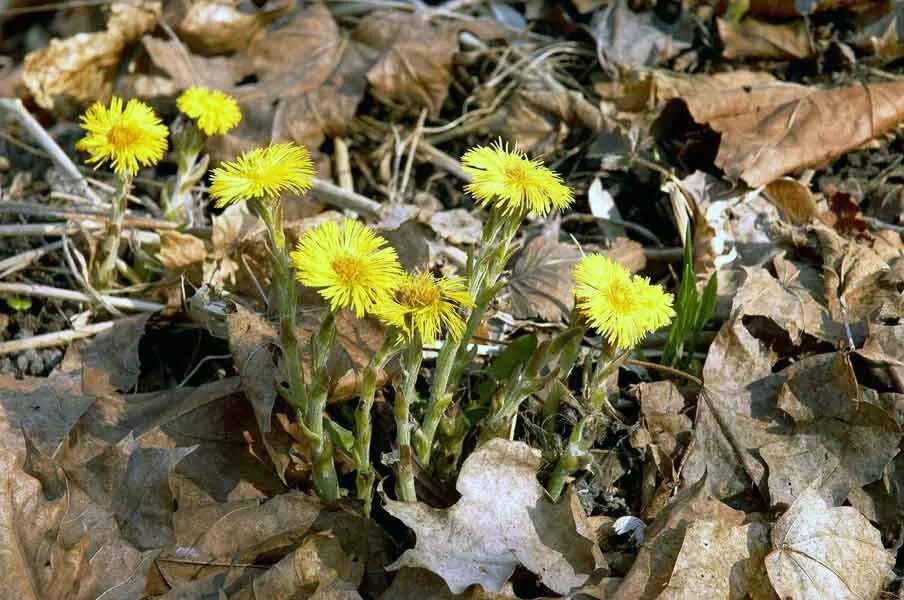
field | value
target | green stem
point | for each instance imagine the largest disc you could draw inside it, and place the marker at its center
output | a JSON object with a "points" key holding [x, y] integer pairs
{"points": [[483, 274], [569, 461], [326, 482], [179, 205], [405, 394], [363, 422], [110, 249]]}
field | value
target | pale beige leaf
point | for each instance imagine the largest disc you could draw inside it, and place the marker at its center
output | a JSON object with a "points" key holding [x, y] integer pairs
{"points": [[502, 519], [821, 551]]}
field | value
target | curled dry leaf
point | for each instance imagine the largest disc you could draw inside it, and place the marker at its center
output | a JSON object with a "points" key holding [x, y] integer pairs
{"points": [[186, 69], [821, 551], [503, 519], [769, 131], [82, 66], [411, 583], [221, 26], [665, 536], [750, 38]]}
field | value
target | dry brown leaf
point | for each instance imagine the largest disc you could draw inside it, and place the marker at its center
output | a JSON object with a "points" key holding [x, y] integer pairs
{"points": [[821, 551], [665, 536], [503, 519], [415, 62], [186, 69], [420, 584], [662, 405], [82, 66], [786, 302], [542, 112], [624, 37], [718, 561], [541, 284], [736, 413], [839, 454], [223, 26], [750, 38], [793, 198], [178, 250], [34, 564], [251, 342], [769, 131], [458, 226]]}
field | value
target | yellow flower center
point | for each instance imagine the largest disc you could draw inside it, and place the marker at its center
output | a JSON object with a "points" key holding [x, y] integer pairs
{"points": [[419, 296], [620, 297], [348, 269], [122, 137], [516, 175]]}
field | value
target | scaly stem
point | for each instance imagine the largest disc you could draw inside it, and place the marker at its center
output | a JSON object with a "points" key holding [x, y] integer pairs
{"points": [[569, 461], [363, 422], [179, 204], [106, 271], [326, 482], [483, 274], [405, 394]]}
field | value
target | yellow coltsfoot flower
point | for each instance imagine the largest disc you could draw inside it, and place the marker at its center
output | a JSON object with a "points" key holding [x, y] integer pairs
{"points": [[622, 307], [350, 265], [427, 306], [214, 111], [263, 174], [129, 137], [512, 181]]}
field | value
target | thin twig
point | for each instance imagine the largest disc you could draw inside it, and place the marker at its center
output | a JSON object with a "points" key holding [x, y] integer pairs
{"points": [[430, 153], [16, 263], [413, 141], [343, 167], [45, 291], [658, 367], [335, 195], [15, 106], [59, 229], [57, 338]]}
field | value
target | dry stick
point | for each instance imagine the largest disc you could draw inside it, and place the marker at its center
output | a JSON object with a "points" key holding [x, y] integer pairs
{"points": [[16, 263], [15, 106], [415, 138], [45, 291], [430, 153], [335, 195], [33, 209], [55, 229], [343, 167], [57, 338]]}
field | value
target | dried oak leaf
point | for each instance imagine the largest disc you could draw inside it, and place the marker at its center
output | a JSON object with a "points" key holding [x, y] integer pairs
{"points": [[82, 66], [719, 561], [503, 519], [736, 413], [769, 131], [750, 38], [420, 584], [786, 302], [651, 570], [540, 283], [821, 551]]}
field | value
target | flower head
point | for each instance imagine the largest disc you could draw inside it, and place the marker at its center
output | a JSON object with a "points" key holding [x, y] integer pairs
{"points": [[214, 111], [425, 305], [512, 181], [263, 173], [622, 307], [130, 137], [350, 265]]}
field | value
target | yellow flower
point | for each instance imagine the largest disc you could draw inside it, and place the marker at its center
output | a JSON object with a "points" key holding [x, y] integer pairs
{"points": [[622, 307], [425, 305], [129, 137], [214, 111], [263, 173], [351, 266], [513, 182]]}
